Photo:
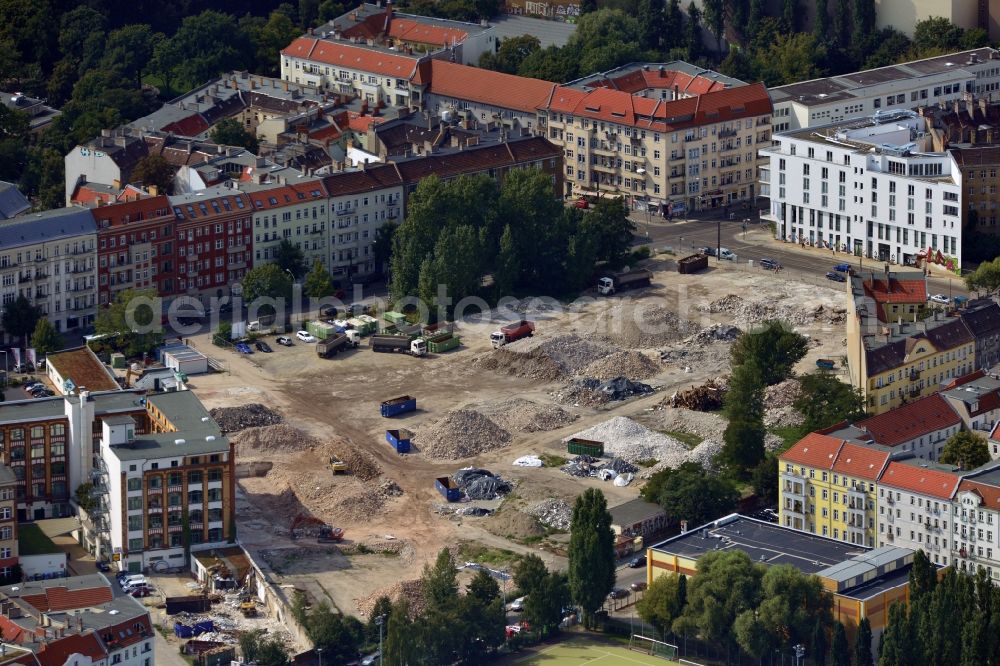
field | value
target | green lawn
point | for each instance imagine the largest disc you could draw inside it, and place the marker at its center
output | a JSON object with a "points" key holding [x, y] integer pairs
{"points": [[581, 650], [32, 541]]}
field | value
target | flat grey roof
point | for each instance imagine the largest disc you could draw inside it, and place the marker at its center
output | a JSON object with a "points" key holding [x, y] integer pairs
{"points": [[185, 412], [184, 353], [50, 225], [634, 511], [162, 445]]}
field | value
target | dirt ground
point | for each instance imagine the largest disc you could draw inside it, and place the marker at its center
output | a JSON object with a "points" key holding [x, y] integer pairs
{"points": [[390, 538]]}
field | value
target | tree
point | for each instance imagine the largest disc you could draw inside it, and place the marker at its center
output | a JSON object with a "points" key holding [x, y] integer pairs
{"points": [[863, 644], [609, 218], [338, 635], [688, 492], [591, 553], [81, 37], [134, 316], [266, 281], [841, 23], [790, 14], [743, 438], [439, 584], [966, 449], [258, 648], [840, 653], [794, 608], [543, 607], [229, 132], [673, 26], [652, 16], [382, 245], [765, 479], [659, 604], [512, 52], [318, 282], [587, 6], [205, 45], [821, 24], [529, 574], [400, 648], [824, 400], [755, 15], [508, 270], [818, 644], [20, 317], [693, 32], [382, 609], [289, 257], [715, 20], [865, 18], [272, 36], [773, 347], [936, 34], [791, 58], [484, 587], [923, 576], [986, 278], [45, 339], [154, 170], [131, 48]]}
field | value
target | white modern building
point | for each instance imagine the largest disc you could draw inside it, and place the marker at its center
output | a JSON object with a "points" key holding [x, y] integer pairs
{"points": [[918, 83], [50, 258], [867, 186], [914, 507]]}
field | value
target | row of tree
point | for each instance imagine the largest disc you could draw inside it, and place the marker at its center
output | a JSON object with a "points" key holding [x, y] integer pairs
{"points": [[748, 608], [457, 232]]}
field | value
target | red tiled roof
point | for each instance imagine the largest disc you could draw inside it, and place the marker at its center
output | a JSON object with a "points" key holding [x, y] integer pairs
{"points": [[86, 195], [146, 208], [123, 634], [287, 195], [58, 652], [352, 57], [357, 182], [989, 493], [61, 598], [896, 291], [409, 30], [191, 126], [654, 79], [911, 420], [360, 123], [860, 461], [964, 379], [488, 87], [935, 483], [814, 450]]}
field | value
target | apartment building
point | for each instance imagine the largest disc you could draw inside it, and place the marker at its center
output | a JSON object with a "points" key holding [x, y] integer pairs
{"points": [[827, 486], [49, 259], [136, 248], [914, 499], [359, 203], [975, 519], [836, 99], [164, 493], [982, 318], [294, 212], [75, 621], [8, 523], [214, 236], [868, 187]]}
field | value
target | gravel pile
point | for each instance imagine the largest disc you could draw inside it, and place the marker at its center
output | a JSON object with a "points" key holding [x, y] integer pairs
{"points": [[555, 513], [638, 325], [629, 363], [780, 417], [782, 394], [749, 313], [254, 415], [580, 395], [412, 590], [520, 415], [544, 358], [631, 441], [462, 433]]}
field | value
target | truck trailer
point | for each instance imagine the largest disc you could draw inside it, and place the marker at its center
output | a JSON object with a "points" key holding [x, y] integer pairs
{"points": [[512, 332], [338, 343], [398, 344], [633, 279]]}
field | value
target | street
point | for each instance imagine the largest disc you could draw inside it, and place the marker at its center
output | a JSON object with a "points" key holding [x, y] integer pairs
{"points": [[756, 243]]}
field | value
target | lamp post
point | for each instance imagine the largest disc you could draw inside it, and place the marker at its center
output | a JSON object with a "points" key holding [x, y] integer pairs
{"points": [[380, 620], [319, 653], [800, 652]]}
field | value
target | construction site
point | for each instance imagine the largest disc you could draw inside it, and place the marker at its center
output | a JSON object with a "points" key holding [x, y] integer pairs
{"points": [[331, 505]]}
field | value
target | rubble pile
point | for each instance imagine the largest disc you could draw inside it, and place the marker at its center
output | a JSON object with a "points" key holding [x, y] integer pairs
{"points": [[272, 440], [412, 590], [253, 415], [781, 417], [544, 358], [481, 484], [629, 363], [631, 441], [389, 488], [715, 333], [639, 325], [783, 394], [461, 434], [705, 398], [520, 415], [749, 313], [621, 466], [555, 513]]}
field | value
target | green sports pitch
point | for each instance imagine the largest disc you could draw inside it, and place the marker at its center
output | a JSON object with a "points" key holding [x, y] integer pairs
{"points": [[583, 651]]}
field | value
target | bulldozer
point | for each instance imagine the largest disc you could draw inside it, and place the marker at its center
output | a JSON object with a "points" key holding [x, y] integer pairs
{"points": [[247, 606]]}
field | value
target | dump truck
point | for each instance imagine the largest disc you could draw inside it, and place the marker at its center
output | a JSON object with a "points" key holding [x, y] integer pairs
{"points": [[585, 447], [397, 406], [512, 332], [398, 344], [692, 263], [338, 343], [337, 465], [441, 343], [399, 440], [633, 279], [448, 488]]}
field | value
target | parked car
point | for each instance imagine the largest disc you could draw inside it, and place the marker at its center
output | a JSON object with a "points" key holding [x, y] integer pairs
{"points": [[710, 251], [24, 367], [31, 385], [836, 277], [328, 312], [581, 203], [284, 341], [638, 586], [103, 566], [517, 605], [618, 593], [263, 347], [637, 561], [770, 264], [141, 591], [940, 298], [727, 254], [305, 336], [243, 348], [842, 268], [371, 659]]}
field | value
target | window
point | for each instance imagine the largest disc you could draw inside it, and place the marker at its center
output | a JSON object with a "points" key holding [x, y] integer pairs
{"points": [[134, 523], [135, 483]]}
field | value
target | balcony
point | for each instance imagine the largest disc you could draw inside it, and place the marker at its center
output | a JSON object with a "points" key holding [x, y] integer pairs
{"points": [[914, 375], [345, 211], [762, 121], [726, 147], [727, 132], [676, 158], [236, 248]]}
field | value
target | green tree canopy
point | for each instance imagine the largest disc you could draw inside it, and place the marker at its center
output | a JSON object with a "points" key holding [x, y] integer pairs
{"points": [[318, 282], [204, 46], [863, 644], [543, 607], [688, 492], [229, 132], [966, 449], [266, 280], [257, 647], [529, 573], [791, 58], [825, 400], [131, 48], [775, 349], [591, 553], [612, 228], [45, 339], [743, 438], [660, 604], [20, 317], [289, 257], [154, 170], [337, 634], [986, 277], [511, 53]]}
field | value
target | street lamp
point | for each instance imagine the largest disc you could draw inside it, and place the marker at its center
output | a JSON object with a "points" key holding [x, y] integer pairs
{"points": [[380, 620], [800, 652], [319, 653]]}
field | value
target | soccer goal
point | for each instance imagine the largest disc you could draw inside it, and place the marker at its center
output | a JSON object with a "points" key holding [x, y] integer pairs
{"points": [[653, 647]]}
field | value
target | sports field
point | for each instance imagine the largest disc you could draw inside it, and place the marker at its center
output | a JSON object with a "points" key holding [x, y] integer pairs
{"points": [[580, 651]]}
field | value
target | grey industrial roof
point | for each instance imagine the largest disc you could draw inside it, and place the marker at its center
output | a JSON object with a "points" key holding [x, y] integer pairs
{"points": [[162, 445], [185, 412], [183, 353], [634, 511], [12, 202], [48, 225]]}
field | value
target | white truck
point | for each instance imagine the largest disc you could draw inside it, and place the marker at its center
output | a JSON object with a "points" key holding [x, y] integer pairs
{"points": [[627, 279]]}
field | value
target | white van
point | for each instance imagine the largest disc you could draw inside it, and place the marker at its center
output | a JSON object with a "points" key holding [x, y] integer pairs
{"points": [[133, 581]]}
